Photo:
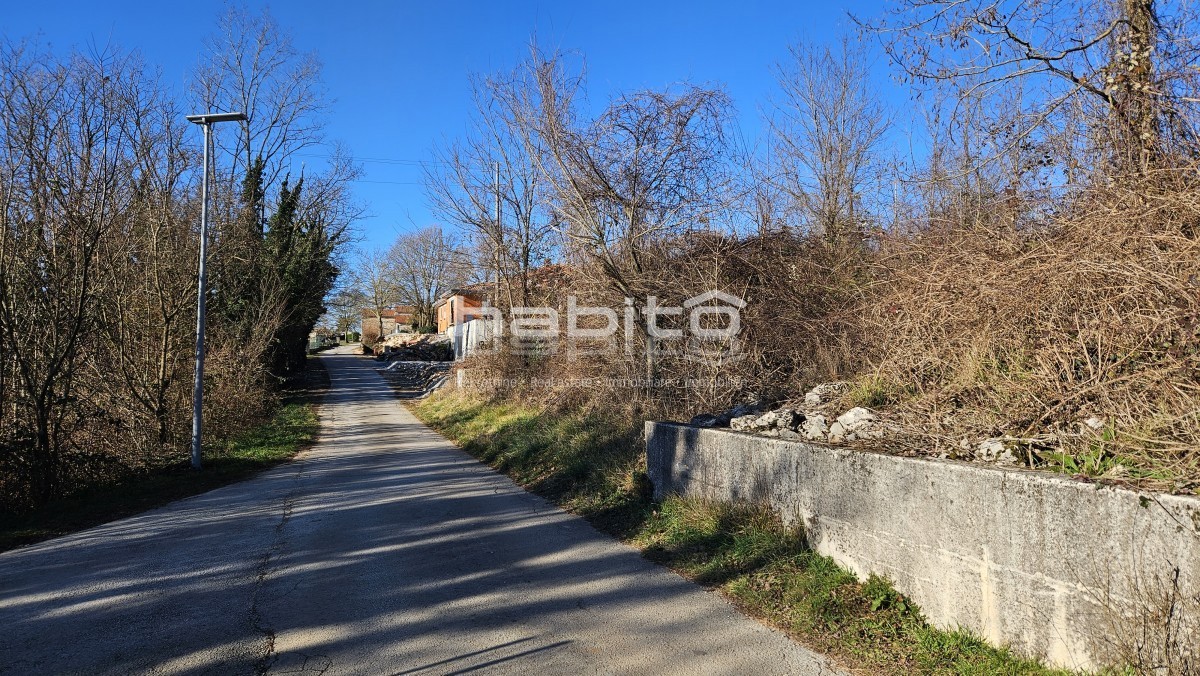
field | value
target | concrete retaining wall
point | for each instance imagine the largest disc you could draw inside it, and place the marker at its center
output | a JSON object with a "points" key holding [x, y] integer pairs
{"points": [[1042, 563]]}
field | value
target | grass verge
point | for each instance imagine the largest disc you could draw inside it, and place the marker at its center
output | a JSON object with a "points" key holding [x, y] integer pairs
{"points": [[593, 466], [292, 428]]}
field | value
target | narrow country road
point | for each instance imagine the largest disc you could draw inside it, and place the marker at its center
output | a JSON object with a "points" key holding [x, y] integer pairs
{"points": [[381, 550]]}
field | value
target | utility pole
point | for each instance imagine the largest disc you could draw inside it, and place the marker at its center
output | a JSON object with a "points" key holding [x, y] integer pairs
{"points": [[499, 236], [207, 121]]}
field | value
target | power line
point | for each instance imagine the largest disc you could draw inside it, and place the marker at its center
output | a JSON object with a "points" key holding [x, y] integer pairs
{"points": [[380, 160]]}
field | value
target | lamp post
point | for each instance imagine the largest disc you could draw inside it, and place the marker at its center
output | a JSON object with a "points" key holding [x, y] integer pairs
{"points": [[206, 120]]}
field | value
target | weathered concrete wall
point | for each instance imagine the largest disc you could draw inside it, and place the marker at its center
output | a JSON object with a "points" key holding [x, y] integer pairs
{"points": [[1039, 562]]}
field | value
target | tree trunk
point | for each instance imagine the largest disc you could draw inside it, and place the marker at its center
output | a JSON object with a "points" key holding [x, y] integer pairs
{"points": [[1136, 99]]}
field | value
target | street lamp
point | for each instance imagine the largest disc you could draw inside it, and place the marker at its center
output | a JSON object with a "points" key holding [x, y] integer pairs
{"points": [[206, 120]]}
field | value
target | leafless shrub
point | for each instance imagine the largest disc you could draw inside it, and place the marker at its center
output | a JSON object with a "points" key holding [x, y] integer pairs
{"points": [[999, 330], [1156, 631], [98, 210]]}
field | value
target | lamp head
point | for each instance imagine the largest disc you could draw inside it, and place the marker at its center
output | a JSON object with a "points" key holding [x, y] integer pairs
{"points": [[210, 118]]}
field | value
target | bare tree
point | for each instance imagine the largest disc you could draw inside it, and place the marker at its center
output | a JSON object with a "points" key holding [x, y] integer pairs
{"points": [[149, 299], [826, 131], [63, 187], [345, 308], [371, 278], [1129, 65], [489, 184], [252, 67], [651, 168], [424, 265]]}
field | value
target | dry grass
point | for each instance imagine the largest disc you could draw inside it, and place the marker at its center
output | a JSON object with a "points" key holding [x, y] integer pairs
{"points": [[1008, 318], [997, 330], [1156, 630]]}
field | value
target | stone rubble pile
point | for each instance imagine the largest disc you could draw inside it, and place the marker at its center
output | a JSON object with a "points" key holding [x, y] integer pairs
{"points": [[416, 347], [415, 379], [808, 425], [724, 419], [816, 423], [997, 449], [786, 423], [824, 393]]}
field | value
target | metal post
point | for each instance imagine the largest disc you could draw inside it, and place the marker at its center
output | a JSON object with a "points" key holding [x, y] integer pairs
{"points": [[499, 234], [201, 303], [205, 121]]}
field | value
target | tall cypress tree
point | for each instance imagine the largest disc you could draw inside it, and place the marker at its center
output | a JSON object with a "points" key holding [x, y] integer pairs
{"points": [[299, 252], [237, 289]]}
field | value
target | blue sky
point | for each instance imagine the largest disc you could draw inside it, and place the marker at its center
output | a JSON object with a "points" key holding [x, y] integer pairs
{"points": [[398, 70]]}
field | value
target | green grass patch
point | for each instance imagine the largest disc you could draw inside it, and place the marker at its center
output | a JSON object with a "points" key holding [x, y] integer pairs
{"points": [[292, 427], [590, 464], [876, 392], [594, 466], [769, 571]]}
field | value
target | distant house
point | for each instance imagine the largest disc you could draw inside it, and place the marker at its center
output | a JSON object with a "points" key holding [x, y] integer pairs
{"points": [[321, 337], [398, 319], [457, 307]]}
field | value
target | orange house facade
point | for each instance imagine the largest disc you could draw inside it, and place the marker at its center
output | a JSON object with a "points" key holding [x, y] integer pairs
{"points": [[456, 307]]}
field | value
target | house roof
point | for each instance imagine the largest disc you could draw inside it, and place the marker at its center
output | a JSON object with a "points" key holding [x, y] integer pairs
{"points": [[474, 292], [551, 277], [398, 312]]}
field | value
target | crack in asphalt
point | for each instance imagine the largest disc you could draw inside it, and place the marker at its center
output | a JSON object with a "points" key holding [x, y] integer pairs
{"points": [[263, 569], [319, 669]]}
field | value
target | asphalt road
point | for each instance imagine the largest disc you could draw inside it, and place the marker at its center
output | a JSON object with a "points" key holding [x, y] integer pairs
{"points": [[382, 550]]}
